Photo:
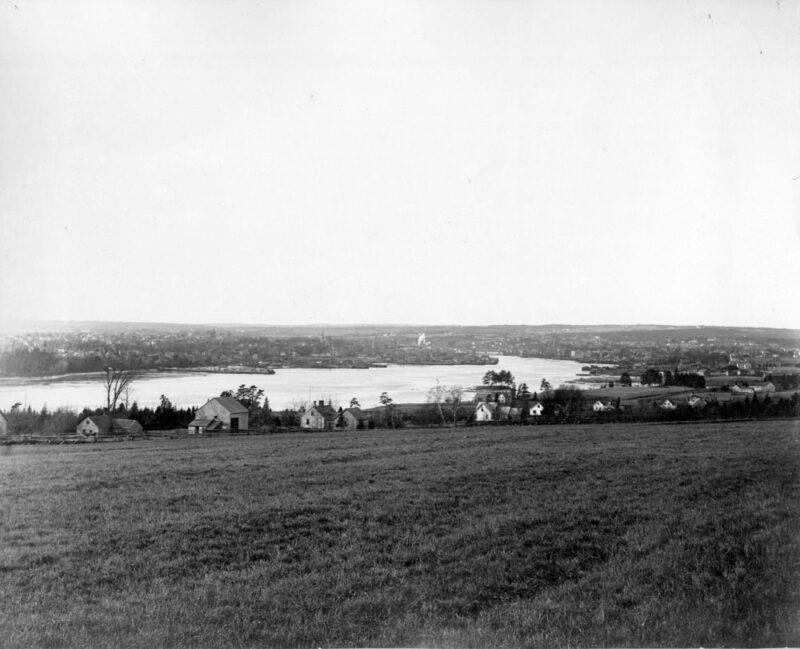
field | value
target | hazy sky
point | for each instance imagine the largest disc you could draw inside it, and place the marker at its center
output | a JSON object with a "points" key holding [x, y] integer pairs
{"points": [[405, 162]]}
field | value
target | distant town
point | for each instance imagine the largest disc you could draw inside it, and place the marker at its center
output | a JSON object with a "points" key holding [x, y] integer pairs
{"points": [[91, 347]]}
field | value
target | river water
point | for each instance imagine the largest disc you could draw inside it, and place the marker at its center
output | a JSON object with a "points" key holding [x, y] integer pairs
{"points": [[287, 387]]}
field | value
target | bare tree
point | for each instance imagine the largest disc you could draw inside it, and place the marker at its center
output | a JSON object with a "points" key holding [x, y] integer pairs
{"points": [[126, 397], [454, 395], [116, 382], [436, 397], [447, 395]]}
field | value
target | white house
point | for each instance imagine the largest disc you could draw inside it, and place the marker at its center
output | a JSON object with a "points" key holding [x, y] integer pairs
{"points": [[319, 417], [219, 413], [667, 404], [602, 406], [484, 411], [536, 409], [765, 388]]}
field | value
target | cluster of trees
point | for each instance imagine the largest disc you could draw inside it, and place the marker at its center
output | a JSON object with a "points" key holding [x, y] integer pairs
{"points": [[38, 362], [164, 416], [734, 409], [503, 377], [784, 382], [24, 422], [687, 380], [652, 376], [252, 397]]}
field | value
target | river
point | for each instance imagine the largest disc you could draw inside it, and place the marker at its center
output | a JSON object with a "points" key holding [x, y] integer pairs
{"points": [[287, 387]]}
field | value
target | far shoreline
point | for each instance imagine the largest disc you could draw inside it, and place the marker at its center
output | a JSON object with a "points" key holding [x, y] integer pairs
{"points": [[238, 369]]}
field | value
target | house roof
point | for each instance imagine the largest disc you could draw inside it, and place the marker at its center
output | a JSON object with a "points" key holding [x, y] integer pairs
{"points": [[326, 411], [230, 404], [101, 421], [356, 412], [127, 424]]}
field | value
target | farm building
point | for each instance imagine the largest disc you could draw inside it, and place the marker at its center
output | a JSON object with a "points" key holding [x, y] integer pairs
{"points": [[536, 409], [352, 418], [319, 417], [219, 413], [98, 426], [603, 406]]}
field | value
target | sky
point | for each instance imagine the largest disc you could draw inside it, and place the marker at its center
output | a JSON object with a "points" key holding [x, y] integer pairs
{"points": [[439, 162]]}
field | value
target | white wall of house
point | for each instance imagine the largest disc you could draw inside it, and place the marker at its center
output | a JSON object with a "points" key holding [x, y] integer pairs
{"points": [[88, 428], [482, 413], [312, 419]]}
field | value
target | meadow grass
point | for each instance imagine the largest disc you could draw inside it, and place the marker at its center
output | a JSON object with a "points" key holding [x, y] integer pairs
{"points": [[637, 535]]}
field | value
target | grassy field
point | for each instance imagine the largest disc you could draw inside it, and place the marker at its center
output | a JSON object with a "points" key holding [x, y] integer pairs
{"points": [[648, 535]]}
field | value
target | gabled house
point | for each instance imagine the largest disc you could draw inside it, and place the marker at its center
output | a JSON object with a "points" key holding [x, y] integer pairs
{"points": [[129, 427], [766, 388], [220, 413], [697, 402], [319, 417], [97, 426], [536, 409], [485, 411], [668, 404], [352, 418], [603, 406]]}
